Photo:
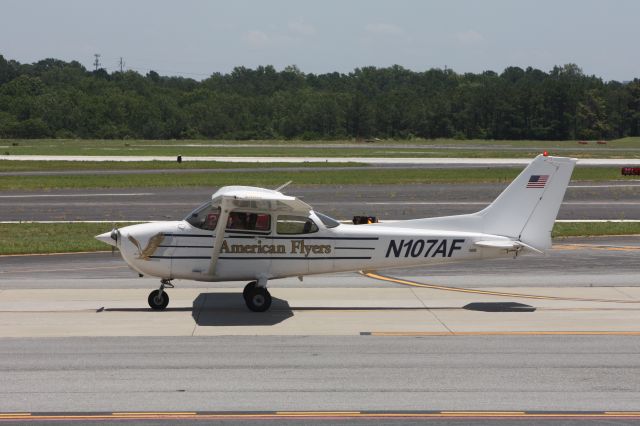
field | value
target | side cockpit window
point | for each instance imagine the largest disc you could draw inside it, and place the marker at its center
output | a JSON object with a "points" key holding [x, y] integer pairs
{"points": [[293, 225], [256, 222], [204, 217]]}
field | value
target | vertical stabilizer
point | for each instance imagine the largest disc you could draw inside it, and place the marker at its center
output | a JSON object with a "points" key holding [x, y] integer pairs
{"points": [[527, 209]]}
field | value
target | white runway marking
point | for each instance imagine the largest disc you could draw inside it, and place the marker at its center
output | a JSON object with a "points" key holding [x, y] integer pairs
{"points": [[365, 160], [76, 195], [76, 221], [422, 203], [478, 203], [606, 186], [601, 203]]}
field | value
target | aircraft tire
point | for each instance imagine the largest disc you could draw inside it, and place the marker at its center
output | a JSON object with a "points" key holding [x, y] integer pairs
{"points": [[157, 301], [258, 299], [248, 288]]}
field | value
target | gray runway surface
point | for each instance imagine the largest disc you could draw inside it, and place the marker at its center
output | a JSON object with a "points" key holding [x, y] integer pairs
{"points": [[603, 200], [580, 373]]}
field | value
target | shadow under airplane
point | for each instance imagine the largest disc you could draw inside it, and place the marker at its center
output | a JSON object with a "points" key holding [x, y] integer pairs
{"points": [[228, 309], [499, 307]]}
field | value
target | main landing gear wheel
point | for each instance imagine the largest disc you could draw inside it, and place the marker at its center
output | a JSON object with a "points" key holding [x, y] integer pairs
{"points": [[158, 300], [258, 299], [248, 288]]}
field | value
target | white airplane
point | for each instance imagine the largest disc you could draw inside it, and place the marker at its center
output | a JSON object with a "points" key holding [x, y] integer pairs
{"points": [[255, 234]]}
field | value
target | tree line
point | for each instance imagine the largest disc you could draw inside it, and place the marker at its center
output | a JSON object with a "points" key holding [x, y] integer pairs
{"points": [[57, 99]]}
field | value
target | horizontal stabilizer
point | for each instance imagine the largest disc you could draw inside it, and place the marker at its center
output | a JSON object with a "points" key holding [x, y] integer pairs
{"points": [[507, 245]]}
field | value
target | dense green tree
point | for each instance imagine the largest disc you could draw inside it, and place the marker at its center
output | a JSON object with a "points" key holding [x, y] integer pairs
{"points": [[53, 98]]}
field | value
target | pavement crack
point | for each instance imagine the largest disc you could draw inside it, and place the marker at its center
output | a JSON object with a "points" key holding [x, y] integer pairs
{"points": [[624, 293], [431, 311]]}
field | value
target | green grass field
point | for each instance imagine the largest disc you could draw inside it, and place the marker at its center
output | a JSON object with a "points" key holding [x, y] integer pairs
{"points": [[620, 148], [27, 238], [43, 166], [271, 179], [566, 229], [51, 238]]}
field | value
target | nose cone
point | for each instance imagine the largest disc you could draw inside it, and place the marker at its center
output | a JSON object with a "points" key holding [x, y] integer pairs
{"points": [[108, 238]]}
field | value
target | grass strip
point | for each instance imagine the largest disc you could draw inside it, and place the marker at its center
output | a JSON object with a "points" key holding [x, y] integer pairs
{"points": [[327, 151], [31, 238], [620, 148], [579, 229], [627, 142], [267, 179], [43, 166]]}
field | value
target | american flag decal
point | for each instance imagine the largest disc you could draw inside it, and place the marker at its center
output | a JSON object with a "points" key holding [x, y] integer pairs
{"points": [[537, 181]]}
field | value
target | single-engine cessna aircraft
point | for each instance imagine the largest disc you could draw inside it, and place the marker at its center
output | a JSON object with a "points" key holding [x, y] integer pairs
{"points": [[255, 234]]}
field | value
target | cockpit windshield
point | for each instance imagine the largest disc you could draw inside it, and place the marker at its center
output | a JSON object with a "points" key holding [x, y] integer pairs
{"points": [[204, 217], [328, 221]]}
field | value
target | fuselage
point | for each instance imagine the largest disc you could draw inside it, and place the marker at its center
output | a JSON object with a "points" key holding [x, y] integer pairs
{"points": [[180, 250]]}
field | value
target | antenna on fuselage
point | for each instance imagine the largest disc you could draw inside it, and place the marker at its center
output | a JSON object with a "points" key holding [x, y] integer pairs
{"points": [[281, 187]]}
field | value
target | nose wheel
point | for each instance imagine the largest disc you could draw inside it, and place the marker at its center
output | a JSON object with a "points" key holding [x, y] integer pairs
{"points": [[159, 299], [258, 299]]}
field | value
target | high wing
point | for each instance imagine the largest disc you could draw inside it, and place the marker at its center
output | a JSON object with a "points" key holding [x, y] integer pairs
{"points": [[230, 198], [249, 197]]}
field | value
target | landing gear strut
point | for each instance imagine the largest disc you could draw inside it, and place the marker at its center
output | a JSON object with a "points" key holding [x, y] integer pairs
{"points": [[159, 299], [257, 298]]}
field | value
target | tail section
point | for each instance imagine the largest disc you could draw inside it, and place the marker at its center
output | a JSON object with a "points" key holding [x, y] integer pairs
{"points": [[525, 211], [528, 208]]}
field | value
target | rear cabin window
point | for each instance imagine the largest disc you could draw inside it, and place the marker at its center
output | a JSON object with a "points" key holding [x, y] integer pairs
{"points": [[292, 225], [241, 221]]}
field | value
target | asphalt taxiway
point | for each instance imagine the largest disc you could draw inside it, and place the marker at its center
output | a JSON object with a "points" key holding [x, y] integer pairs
{"points": [[602, 200]]}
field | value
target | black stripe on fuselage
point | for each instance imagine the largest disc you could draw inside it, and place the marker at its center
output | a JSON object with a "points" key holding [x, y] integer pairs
{"points": [[291, 237], [207, 247], [264, 257], [294, 237], [355, 248], [211, 247]]}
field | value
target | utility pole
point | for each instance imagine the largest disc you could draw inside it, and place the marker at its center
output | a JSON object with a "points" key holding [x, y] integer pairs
{"points": [[121, 64], [96, 62]]}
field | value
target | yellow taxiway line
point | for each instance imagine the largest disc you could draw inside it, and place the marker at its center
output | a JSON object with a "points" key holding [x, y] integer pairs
{"points": [[26, 417], [377, 276], [55, 254], [501, 333], [595, 247]]}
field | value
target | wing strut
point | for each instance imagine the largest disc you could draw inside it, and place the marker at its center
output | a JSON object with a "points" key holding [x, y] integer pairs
{"points": [[283, 186], [225, 208]]}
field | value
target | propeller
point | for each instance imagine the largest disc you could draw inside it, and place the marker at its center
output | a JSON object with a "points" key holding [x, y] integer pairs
{"points": [[115, 236]]}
